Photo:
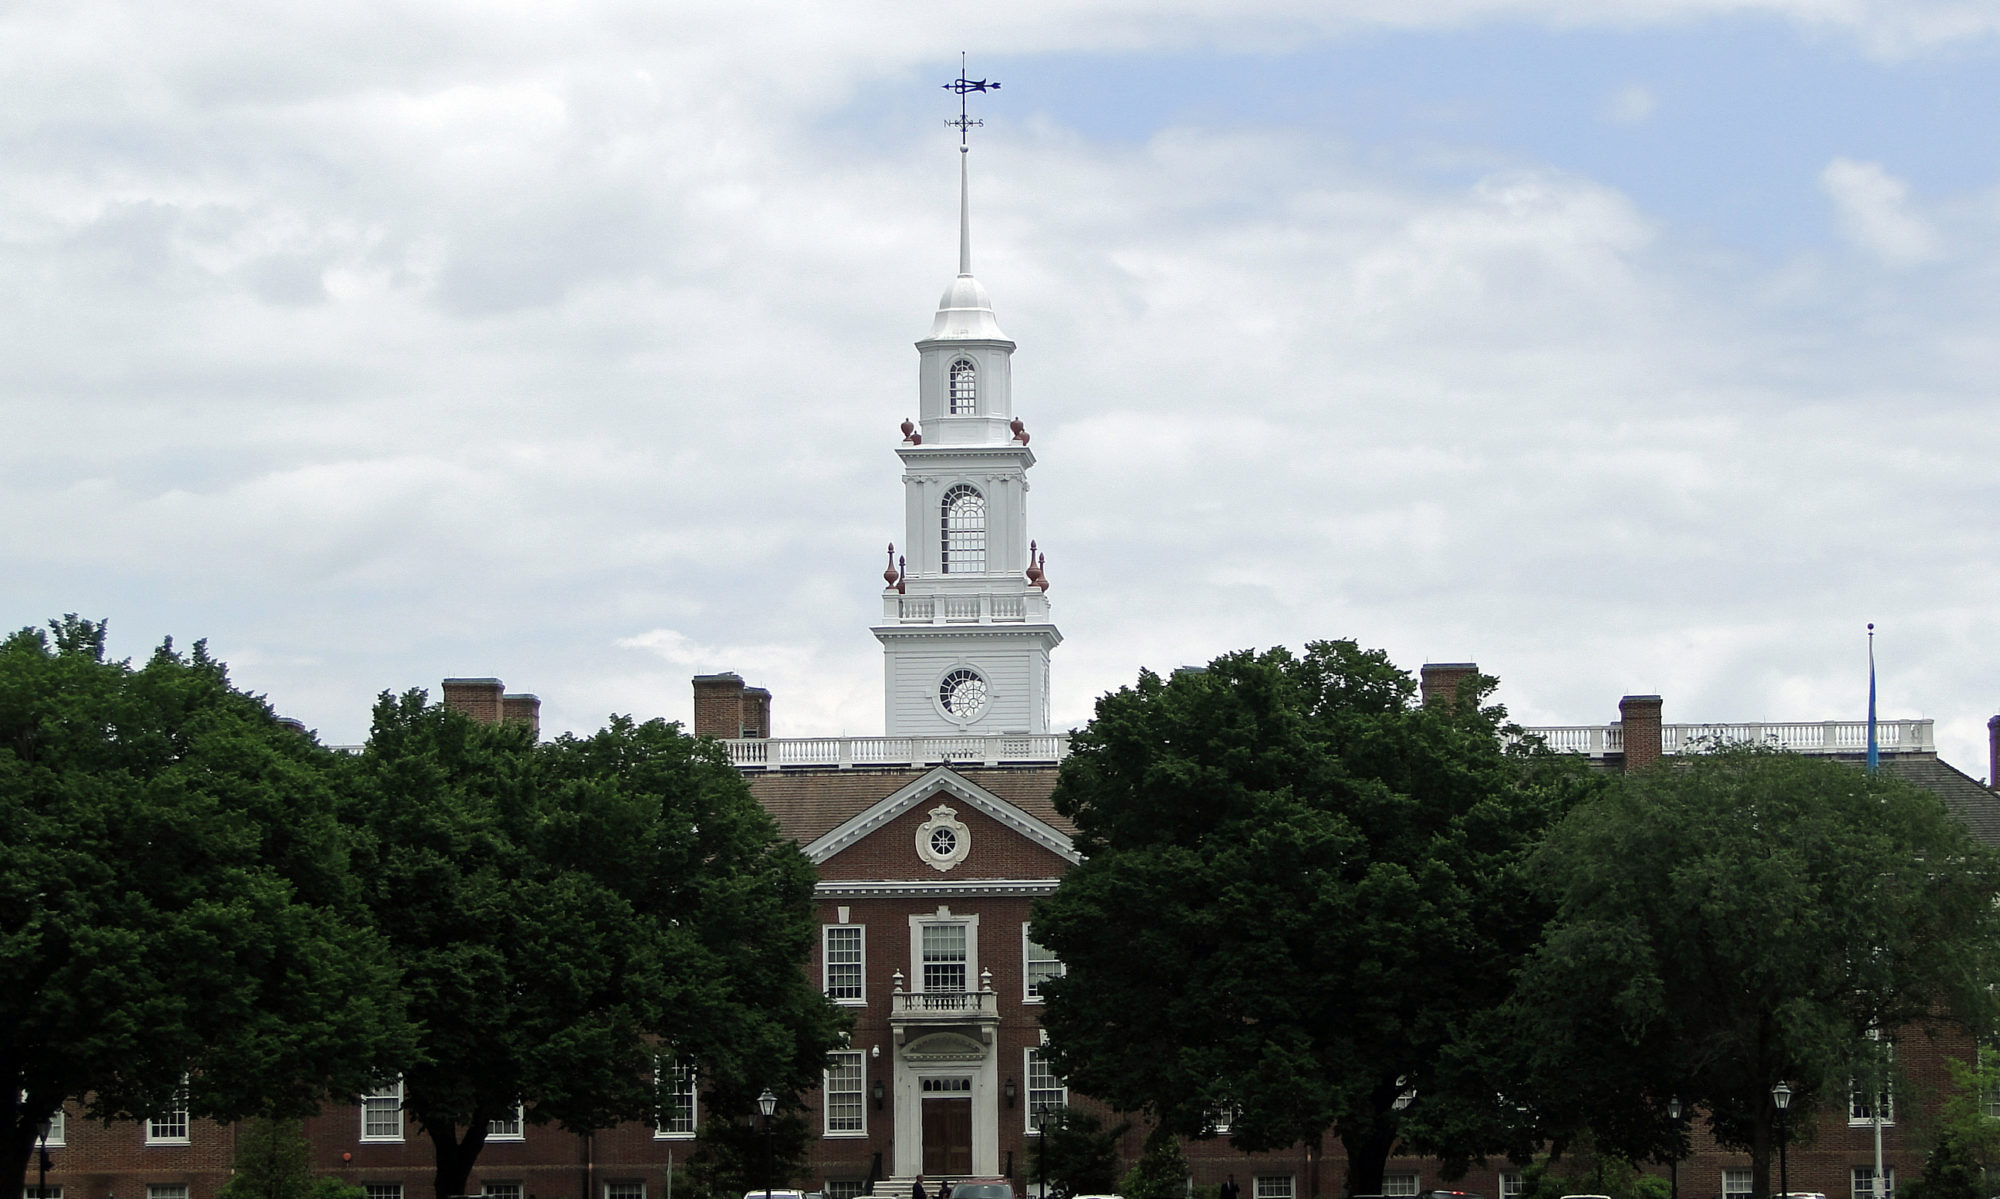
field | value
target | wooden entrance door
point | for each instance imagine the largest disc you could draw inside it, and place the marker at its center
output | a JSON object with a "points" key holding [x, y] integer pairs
{"points": [[947, 1138]]}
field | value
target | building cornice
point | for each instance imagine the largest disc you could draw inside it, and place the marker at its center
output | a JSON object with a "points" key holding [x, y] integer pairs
{"points": [[941, 888], [940, 781]]}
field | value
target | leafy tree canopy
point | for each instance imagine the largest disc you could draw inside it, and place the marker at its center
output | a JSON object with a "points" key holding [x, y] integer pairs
{"points": [[567, 916], [1299, 887], [1740, 918], [176, 908]]}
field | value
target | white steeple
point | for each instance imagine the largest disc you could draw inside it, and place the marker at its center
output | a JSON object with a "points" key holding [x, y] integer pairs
{"points": [[965, 626]]}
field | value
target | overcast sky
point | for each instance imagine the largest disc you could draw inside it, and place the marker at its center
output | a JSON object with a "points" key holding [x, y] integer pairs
{"points": [[1637, 347]]}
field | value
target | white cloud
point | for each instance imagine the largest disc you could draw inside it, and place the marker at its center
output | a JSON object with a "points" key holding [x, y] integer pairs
{"points": [[1630, 105], [1873, 210]]}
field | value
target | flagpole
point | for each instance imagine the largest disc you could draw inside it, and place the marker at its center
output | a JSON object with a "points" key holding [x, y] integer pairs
{"points": [[1874, 751]]}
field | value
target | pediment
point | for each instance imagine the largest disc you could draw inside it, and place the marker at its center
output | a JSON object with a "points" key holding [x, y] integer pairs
{"points": [[944, 1047], [941, 784]]}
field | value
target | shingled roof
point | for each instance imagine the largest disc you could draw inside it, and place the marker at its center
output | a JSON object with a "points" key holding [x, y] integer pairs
{"points": [[1963, 795], [810, 803]]}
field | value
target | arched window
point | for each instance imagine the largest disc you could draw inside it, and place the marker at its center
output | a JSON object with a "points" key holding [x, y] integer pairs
{"points": [[964, 515], [964, 387]]}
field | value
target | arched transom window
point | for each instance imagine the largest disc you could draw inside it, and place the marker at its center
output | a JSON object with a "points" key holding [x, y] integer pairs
{"points": [[964, 516], [964, 387]]}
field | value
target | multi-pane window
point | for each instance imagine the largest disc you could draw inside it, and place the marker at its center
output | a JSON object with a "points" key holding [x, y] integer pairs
{"points": [[382, 1113], [170, 1127], [1510, 1186], [1399, 1184], [945, 957], [1219, 1120], [964, 387], [1864, 1093], [677, 1100], [624, 1190], [511, 1127], [1039, 966], [1735, 1181], [384, 1190], [1046, 1090], [35, 1192], [842, 957], [846, 1188], [56, 1130], [170, 1190], [500, 1190], [1864, 1183], [845, 1114], [1272, 1186], [963, 513]]}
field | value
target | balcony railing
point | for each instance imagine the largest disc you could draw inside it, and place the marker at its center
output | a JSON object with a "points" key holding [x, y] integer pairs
{"points": [[1817, 737], [1006, 749], [944, 1006]]}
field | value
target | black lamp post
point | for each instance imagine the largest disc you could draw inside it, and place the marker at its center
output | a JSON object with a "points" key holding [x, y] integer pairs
{"points": [[1781, 1097], [1042, 1151], [1674, 1158], [767, 1105]]}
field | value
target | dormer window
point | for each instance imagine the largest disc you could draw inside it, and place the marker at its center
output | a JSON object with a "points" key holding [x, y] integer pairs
{"points": [[964, 519], [964, 387]]}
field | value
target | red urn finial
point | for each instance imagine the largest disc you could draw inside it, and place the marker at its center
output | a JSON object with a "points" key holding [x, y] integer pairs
{"points": [[908, 428], [1020, 430], [1034, 572], [889, 576], [1042, 572], [902, 575]]}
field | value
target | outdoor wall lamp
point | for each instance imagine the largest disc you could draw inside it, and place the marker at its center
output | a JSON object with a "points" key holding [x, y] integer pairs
{"points": [[878, 1094], [1010, 1092]]}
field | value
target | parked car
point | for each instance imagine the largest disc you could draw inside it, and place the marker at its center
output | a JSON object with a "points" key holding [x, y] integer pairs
{"points": [[775, 1193], [983, 1188]]}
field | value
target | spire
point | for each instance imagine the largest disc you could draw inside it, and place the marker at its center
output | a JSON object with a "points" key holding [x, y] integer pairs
{"points": [[964, 313], [964, 213]]}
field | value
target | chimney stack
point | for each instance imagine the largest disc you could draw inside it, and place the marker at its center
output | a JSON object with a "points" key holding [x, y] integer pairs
{"points": [[1438, 681], [523, 708], [487, 701], [726, 709], [1993, 753], [1640, 715]]}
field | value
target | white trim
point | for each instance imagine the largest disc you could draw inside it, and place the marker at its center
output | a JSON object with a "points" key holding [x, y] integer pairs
{"points": [[58, 1123], [827, 1130], [395, 1092], [937, 783], [682, 1077], [1027, 995], [1290, 1191], [175, 1116], [935, 888], [1028, 1054], [520, 1123]]}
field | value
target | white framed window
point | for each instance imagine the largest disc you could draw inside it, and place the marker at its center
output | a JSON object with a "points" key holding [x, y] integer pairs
{"points": [[1735, 1181], [1038, 965], [1861, 1104], [845, 1188], [1046, 1089], [842, 1094], [964, 387], [166, 1190], [382, 1113], [1219, 1120], [1863, 1183], [963, 517], [384, 1190], [678, 1098], [35, 1192], [944, 952], [1272, 1186], [841, 947], [56, 1131], [513, 1127], [1399, 1184], [170, 1127], [625, 1190], [1510, 1185], [500, 1190]]}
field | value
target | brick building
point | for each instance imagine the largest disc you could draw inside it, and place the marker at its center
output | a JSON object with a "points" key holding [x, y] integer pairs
{"points": [[932, 842]]}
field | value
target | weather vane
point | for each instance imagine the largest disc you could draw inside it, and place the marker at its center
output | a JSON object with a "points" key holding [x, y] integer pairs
{"points": [[963, 87]]}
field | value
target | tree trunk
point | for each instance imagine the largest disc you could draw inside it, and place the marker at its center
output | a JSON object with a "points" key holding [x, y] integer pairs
{"points": [[1762, 1139], [23, 1132], [1368, 1143], [455, 1154]]}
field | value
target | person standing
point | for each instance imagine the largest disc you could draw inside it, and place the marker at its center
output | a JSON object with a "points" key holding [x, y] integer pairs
{"points": [[1230, 1190]]}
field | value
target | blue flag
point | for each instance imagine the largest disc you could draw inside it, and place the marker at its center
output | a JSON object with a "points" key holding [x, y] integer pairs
{"points": [[1874, 751]]}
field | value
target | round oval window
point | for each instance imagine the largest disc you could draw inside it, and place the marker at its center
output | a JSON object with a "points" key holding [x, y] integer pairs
{"points": [[944, 842], [962, 693]]}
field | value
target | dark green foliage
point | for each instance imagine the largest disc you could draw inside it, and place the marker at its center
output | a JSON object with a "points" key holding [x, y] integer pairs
{"points": [[273, 1161], [1300, 890], [334, 1188], [1740, 918], [1964, 1137], [730, 1158], [565, 915], [1161, 1171], [175, 898], [1076, 1155]]}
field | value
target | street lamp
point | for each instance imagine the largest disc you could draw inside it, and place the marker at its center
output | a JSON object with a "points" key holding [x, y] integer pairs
{"points": [[1781, 1096], [767, 1105], [1674, 1158], [1042, 1132]]}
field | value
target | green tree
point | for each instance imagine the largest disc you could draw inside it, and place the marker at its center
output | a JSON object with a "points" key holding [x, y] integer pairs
{"points": [[569, 917], [177, 917], [1299, 889], [1737, 919], [1075, 1154], [1161, 1171], [1964, 1136], [273, 1161]]}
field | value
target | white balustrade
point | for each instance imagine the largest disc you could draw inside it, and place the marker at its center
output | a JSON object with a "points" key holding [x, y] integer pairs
{"points": [[1817, 737], [776, 753]]}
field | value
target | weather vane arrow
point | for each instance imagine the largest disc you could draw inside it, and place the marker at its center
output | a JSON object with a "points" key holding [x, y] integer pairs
{"points": [[965, 87]]}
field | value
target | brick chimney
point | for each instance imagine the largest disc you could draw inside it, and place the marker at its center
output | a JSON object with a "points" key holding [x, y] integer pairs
{"points": [[523, 708], [480, 699], [725, 708], [1640, 714], [1993, 753], [1438, 681]]}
